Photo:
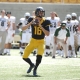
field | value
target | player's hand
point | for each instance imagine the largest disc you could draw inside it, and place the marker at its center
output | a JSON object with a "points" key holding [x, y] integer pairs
{"points": [[12, 35], [65, 42], [35, 22], [9, 23], [17, 27], [55, 41]]}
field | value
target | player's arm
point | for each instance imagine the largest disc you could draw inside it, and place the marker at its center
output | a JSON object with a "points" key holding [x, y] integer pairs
{"points": [[14, 25], [30, 21], [59, 23], [55, 36], [67, 35], [26, 26], [46, 31], [19, 24], [7, 24]]}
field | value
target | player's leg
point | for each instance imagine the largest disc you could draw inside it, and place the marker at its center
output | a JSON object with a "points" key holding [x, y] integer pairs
{"points": [[79, 48], [65, 48], [9, 45], [3, 38], [20, 44], [69, 51], [47, 50], [6, 45], [69, 47], [23, 43], [54, 48], [59, 50], [21, 48], [5, 49], [40, 52], [76, 43], [47, 45], [28, 49], [72, 45]]}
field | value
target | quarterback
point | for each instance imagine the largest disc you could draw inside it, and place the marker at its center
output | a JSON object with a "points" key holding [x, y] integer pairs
{"points": [[40, 28]]}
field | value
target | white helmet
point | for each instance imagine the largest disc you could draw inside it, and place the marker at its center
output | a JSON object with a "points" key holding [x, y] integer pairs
{"points": [[68, 16], [74, 14], [27, 14]]}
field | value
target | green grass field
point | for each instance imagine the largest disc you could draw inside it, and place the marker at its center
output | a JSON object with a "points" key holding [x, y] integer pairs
{"points": [[14, 68]]}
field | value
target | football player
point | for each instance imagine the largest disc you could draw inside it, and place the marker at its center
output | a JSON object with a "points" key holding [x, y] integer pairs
{"points": [[40, 28], [55, 22], [76, 24], [11, 32], [26, 34], [70, 24], [77, 40], [3, 29]]}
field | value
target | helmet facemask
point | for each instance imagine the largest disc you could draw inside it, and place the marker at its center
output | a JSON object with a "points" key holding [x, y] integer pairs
{"points": [[26, 17]]}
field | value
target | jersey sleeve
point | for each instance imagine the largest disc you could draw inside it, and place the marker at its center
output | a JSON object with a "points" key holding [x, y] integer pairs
{"points": [[47, 23], [57, 31], [68, 33]]}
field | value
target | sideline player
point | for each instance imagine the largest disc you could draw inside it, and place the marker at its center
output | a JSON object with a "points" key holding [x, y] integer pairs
{"points": [[70, 24], [40, 28], [55, 22], [26, 34], [11, 32], [3, 30]]}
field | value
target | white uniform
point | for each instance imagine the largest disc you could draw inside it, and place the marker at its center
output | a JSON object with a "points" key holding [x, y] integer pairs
{"points": [[71, 26], [49, 39], [9, 37], [26, 35], [54, 22]]}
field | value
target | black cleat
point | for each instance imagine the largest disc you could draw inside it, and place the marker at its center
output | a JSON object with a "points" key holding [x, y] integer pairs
{"points": [[34, 73], [4, 53], [66, 56], [8, 54], [1, 54], [34, 53], [30, 68], [21, 53], [53, 57]]}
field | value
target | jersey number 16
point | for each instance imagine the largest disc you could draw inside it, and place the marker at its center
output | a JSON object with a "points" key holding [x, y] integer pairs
{"points": [[38, 31]]}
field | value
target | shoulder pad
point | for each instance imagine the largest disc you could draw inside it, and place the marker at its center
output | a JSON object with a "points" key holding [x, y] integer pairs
{"points": [[47, 22]]}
